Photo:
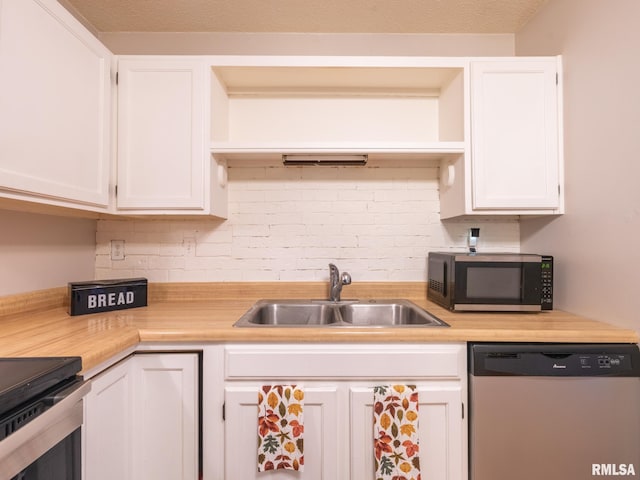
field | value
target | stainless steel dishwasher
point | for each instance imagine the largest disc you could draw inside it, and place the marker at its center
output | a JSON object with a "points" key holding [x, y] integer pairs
{"points": [[554, 411]]}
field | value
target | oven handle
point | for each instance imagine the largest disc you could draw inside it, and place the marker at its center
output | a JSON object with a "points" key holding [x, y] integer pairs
{"points": [[57, 397], [26, 445]]}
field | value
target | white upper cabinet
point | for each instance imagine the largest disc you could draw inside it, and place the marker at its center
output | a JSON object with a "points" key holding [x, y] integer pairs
{"points": [[493, 124], [164, 165], [514, 163], [55, 107]]}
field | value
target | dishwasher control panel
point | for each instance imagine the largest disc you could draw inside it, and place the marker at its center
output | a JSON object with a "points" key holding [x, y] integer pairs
{"points": [[554, 360], [609, 362]]}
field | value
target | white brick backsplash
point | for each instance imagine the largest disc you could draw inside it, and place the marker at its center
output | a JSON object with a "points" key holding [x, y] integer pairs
{"points": [[166, 263], [103, 261], [287, 224], [213, 250]]}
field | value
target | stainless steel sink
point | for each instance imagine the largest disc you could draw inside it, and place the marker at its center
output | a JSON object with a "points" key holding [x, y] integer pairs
{"points": [[347, 313], [287, 313], [387, 314]]}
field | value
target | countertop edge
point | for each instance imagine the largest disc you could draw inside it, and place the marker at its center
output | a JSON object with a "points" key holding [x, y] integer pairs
{"points": [[38, 323]]}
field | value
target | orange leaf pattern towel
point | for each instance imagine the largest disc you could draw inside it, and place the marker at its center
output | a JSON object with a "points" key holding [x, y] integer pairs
{"points": [[280, 428], [395, 419]]}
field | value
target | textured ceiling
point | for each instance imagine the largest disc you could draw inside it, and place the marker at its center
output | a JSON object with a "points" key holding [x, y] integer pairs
{"points": [[312, 16]]}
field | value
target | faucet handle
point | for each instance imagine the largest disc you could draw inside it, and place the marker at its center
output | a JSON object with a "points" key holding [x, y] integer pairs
{"points": [[345, 279]]}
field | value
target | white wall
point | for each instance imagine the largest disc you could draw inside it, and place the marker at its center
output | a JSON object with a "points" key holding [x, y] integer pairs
{"points": [[287, 224], [308, 43], [42, 251], [595, 243]]}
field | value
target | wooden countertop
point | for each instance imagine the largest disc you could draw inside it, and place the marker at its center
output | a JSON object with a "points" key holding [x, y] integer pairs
{"points": [[37, 324]]}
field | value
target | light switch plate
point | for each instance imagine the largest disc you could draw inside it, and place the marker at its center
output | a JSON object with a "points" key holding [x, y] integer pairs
{"points": [[117, 249]]}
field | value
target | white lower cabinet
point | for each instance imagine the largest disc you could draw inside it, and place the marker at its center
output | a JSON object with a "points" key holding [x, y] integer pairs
{"points": [[321, 430], [165, 420], [338, 381], [106, 432], [141, 419], [441, 438]]}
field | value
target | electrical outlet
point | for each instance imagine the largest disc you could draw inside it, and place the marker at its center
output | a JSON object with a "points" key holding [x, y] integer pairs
{"points": [[117, 249], [189, 244]]}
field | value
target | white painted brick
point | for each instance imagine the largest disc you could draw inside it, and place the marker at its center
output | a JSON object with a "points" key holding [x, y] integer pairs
{"points": [[131, 262], [351, 206], [250, 230], [154, 226], [213, 249], [202, 263], [115, 226], [217, 235], [313, 230], [376, 241], [355, 195], [252, 242], [111, 274], [298, 276], [103, 247], [287, 224], [103, 261], [310, 195], [261, 276], [247, 196], [170, 249], [282, 230], [411, 240], [141, 247], [337, 241], [165, 263], [157, 276]]}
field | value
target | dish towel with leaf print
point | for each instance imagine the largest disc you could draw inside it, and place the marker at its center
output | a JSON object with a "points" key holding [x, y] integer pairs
{"points": [[280, 428], [395, 419]]}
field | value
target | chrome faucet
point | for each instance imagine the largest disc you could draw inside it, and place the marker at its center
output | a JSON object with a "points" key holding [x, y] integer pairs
{"points": [[336, 281]]}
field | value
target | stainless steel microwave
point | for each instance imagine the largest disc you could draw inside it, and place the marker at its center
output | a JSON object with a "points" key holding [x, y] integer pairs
{"points": [[491, 281]]}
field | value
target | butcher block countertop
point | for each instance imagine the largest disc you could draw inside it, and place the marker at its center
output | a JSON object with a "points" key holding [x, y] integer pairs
{"points": [[38, 323]]}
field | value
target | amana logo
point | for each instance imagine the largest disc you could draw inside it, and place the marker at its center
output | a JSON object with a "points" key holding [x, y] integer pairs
{"points": [[613, 469]]}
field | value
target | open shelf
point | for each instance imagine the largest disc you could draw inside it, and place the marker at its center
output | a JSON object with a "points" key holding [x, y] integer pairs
{"points": [[384, 109]]}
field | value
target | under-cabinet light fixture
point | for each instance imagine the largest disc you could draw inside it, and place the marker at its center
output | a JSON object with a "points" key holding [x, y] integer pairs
{"points": [[324, 159]]}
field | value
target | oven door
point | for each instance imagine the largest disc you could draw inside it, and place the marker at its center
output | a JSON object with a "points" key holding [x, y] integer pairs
{"points": [[48, 447], [510, 283]]}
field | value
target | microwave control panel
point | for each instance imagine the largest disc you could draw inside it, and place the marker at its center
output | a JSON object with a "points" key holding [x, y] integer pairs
{"points": [[546, 297]]}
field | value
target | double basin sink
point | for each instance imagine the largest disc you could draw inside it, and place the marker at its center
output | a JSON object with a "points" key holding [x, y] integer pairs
{"points": [[345, 313]]}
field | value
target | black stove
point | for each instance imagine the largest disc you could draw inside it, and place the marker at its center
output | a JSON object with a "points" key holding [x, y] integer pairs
{"points": [[31, 381], [40, 411]]}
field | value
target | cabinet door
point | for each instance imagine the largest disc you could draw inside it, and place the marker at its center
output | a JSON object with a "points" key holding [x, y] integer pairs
{"points": [[161, 134], [441, 431], [321, 445], [165, 420], [55, 107], [514, 134], [106, 432]]}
